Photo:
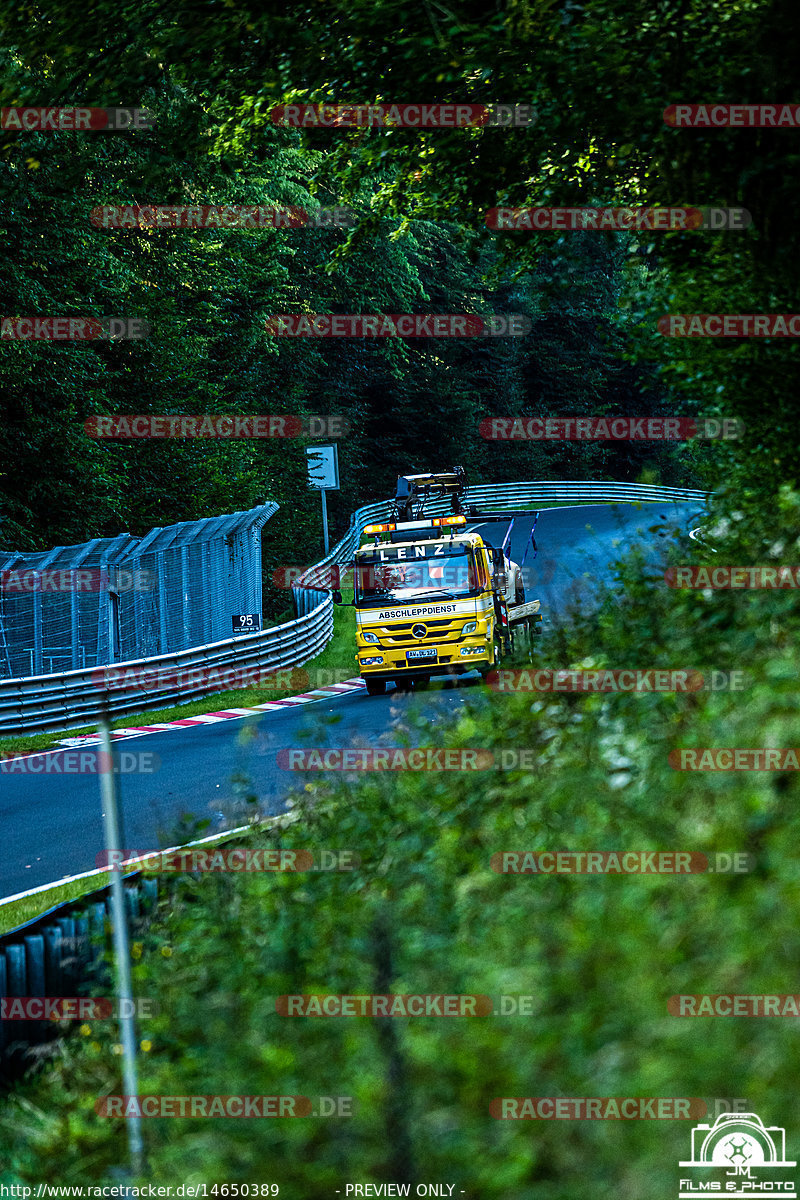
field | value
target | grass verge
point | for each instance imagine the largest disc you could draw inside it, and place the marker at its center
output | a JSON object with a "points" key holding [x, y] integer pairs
{"points": [[14, 913]]}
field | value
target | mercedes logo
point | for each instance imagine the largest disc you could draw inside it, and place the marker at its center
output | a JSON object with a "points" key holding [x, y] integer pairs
{"points": [[419, 631]]}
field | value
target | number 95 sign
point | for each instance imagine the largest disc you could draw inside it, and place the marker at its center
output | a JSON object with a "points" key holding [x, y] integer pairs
{"points": [[247, 623]]}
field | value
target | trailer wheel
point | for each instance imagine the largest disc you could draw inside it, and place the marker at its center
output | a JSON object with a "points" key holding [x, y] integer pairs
{"points": [[375, 687]]}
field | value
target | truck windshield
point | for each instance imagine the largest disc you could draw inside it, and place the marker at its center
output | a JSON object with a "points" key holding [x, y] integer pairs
{"points": [[449, 576]]}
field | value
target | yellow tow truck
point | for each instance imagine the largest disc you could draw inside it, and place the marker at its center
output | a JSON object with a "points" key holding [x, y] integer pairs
{"points": [[432, 595]]}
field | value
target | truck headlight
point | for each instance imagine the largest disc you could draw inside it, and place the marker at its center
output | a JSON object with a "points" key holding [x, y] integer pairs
{"points": [[369, 637], [470, 627]]}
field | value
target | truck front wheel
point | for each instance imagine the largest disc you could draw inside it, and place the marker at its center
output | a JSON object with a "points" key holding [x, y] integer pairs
{"points": [[375, 687]]}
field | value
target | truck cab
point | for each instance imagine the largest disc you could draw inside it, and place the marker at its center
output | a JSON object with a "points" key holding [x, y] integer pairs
{"points": [[432, 596], [425, 605]]}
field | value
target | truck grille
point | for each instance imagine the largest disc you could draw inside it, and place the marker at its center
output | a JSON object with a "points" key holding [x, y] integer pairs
{"points": [[401, 635]]}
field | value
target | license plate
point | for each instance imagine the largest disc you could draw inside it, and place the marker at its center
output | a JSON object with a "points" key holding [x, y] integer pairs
{"points": [[429, 653]]}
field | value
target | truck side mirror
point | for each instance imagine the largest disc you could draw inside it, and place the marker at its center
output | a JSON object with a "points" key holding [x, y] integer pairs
{"points": [[337, 597]]}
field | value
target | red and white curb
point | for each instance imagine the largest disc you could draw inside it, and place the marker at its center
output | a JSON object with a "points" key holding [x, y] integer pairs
{"points": [[228, 714]]}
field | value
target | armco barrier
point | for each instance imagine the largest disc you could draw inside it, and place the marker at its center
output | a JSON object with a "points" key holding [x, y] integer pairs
{"points": [[59, 954], [71, 700], [497, 496]]}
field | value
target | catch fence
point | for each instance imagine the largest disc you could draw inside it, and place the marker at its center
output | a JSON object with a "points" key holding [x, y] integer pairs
{"points": [[115, 599]]}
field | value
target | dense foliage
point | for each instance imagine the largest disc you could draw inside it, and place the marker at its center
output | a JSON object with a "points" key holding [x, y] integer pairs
{"points": [[205, 294], [425, 912]]}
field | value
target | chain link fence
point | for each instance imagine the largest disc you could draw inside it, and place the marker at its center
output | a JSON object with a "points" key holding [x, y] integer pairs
{"points": [[115, 599]]}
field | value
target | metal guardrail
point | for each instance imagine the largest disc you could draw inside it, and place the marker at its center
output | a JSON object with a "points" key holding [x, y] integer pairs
{"points": [[72, 699], [42, 703], [58, 954], [537, 492], [64, 949], [495, 495]]}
